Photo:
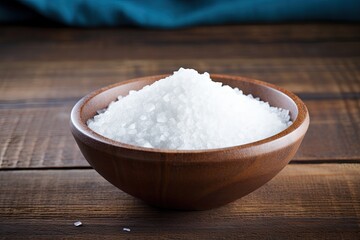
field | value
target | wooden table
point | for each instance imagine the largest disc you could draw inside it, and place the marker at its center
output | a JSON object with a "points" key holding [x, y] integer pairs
{"points": [[46, 184]]}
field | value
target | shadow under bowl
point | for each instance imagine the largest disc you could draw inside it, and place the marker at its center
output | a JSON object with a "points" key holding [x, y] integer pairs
{"points": [[189, 179]]}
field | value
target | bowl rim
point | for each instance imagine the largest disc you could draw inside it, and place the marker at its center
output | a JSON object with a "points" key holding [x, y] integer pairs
{"points": [[79, 125]]}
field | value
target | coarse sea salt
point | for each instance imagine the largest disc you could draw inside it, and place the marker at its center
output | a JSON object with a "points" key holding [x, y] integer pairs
{"points": [[189, 111], [77, 224]]}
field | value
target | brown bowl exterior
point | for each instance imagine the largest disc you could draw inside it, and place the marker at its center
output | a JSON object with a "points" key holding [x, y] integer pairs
{"points": [[189, 180]]}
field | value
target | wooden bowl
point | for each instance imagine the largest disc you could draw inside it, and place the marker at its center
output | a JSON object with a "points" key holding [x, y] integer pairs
{"points": [[189, 179]]}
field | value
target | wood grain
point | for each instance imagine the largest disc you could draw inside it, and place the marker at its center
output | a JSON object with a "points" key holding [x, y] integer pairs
{"points": [[42, 81], [39, 136], [251, 41], [323, 203], [43, 71]]}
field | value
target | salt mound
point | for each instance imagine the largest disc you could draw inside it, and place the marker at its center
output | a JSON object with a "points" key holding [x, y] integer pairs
{"points": [[189, 111]]}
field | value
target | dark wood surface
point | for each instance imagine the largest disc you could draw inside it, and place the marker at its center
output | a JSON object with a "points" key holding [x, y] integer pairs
{"points": [[323, 203], [46, 185]]}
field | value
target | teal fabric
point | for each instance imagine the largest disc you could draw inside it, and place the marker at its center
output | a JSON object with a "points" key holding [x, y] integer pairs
{"points": [[177, 13]]}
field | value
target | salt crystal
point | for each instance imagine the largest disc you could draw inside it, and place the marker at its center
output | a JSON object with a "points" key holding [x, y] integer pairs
{"points": [[132, 131], [77, 224], [126, 229], [149, 107], [187, 111], [161, 118], [100, 111], [147, 145], [166, 97], [162, 137]]}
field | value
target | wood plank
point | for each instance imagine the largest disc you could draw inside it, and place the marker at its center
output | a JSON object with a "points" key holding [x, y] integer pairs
{"points": [[317, 201], [39, 136], [334, 132], [294, 32], [47, 81], [261, 41]]}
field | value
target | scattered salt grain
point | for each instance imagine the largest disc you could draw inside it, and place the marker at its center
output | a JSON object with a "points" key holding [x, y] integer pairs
{"points": [[188, 111], [126, 229], [77, 224]]}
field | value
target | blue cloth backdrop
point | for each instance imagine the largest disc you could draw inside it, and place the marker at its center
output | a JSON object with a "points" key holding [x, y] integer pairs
{"points": [[177, 13]]}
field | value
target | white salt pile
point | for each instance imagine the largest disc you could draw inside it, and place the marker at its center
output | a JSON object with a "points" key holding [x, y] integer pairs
{"points": [[189, 111]]}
